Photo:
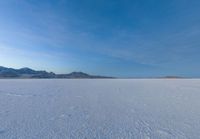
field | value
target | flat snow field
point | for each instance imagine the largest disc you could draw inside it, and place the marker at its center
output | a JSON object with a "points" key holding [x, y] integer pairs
{"points": [[100, 109]]}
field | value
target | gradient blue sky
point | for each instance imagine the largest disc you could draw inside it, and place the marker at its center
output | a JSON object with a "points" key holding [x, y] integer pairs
{"points": [[124, 38]]}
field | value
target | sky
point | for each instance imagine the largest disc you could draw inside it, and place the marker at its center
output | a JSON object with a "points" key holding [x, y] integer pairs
{"points": [[121, 38]]}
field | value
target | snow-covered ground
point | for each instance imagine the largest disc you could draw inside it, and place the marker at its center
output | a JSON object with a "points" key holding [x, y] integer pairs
{"points": [[100, 109]]}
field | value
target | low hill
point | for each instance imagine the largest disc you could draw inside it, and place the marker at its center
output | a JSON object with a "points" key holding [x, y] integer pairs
{"points": [[30, 73]]}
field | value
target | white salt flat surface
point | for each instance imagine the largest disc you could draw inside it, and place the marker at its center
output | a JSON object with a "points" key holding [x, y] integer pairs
{"points": [[100, 109]]}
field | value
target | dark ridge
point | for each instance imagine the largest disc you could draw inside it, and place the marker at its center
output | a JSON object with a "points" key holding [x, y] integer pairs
{"points": [[173, 77], [30, 73]]}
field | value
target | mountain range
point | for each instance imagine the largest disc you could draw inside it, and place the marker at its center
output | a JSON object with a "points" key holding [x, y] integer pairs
{"points": [[30, 73]]}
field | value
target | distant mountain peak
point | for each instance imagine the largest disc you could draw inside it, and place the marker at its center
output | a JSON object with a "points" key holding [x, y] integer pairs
{"points": [[30, 73], [25, 68]]}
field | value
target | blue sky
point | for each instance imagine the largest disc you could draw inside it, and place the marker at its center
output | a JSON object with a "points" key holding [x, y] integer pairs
{"points": [[123, 38]]}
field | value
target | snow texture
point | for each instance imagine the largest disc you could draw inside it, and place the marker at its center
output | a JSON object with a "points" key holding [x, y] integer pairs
{"points": [[100, 109]]}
